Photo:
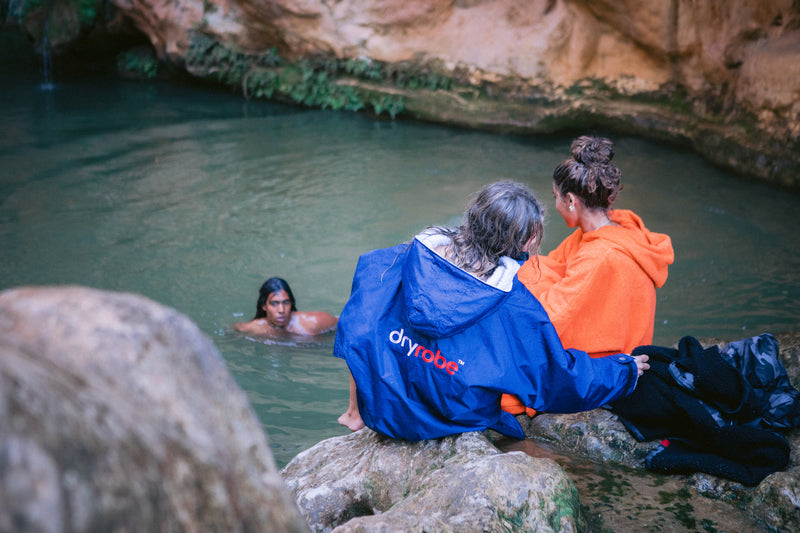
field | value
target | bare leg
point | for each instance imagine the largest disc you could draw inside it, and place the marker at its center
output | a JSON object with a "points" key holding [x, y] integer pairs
{"points": [[352, 418]]}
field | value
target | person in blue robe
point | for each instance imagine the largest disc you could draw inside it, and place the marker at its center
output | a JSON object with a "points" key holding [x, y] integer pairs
{"points": [[437, 329]]}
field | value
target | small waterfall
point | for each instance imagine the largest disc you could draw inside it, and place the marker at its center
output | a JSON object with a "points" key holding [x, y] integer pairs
{"points": [[47, 62]]}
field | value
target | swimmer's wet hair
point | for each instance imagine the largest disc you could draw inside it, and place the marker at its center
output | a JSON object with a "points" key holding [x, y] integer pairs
{"points": [[270, 286]]}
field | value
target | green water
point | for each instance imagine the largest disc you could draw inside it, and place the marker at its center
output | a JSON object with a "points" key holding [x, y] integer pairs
{"points": [[193, 197]]}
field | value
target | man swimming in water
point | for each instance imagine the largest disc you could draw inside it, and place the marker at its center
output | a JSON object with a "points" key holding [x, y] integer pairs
{"points": [[277, 314]]}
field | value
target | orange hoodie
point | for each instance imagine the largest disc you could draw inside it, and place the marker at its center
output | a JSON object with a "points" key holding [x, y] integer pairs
{"points": [[599, 288]]}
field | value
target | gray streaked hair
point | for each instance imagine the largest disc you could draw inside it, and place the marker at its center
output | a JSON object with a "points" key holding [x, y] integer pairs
{"points": [[499, 221]]}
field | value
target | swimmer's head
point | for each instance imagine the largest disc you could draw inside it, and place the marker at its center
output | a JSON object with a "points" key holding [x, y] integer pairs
{"points": [[272, 285]]}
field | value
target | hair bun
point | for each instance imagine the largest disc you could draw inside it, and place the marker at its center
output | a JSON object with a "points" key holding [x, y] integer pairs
{"points": [[589, 150]]}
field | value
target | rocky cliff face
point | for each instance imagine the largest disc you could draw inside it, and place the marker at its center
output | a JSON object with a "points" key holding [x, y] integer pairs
{"points": [[721, 76]]}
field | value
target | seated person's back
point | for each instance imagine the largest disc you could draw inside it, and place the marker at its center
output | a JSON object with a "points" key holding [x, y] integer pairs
{"points": [[599, 285], [437, 329]]}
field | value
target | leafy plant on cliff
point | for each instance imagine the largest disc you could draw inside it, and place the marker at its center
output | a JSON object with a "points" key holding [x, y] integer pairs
{"points": [[363, 68], [87, 12], [407, 75], [225, 64], [24, 7], [313, 82], [393, 105], [137, 65]]}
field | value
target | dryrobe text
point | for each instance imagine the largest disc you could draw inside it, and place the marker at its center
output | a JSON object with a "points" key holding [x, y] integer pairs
{"points": [[417, 350]]}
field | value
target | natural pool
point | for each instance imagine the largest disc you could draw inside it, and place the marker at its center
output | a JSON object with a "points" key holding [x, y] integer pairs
{"points": [[193, 197]]}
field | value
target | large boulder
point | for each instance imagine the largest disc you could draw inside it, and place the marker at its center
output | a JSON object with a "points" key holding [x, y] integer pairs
{"points": [[368, 483], [598, 435], [118, 414]]}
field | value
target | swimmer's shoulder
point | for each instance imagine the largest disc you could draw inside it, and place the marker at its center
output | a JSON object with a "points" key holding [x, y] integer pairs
{"points": [[254, 326], [312, 322]]}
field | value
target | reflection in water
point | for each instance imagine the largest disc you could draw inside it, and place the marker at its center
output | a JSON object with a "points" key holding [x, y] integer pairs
{"points": [[193, 198]]}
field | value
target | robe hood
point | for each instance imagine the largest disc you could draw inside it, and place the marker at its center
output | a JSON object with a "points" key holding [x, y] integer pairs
{"points": [[651, 251], [440, 298]]}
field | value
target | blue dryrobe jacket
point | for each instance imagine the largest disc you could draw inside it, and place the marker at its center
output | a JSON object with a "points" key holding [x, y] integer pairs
{"points": [[432, 349]]}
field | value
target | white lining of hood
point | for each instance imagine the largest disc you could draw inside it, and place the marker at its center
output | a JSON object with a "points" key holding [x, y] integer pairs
{"points": [[503, 276]]}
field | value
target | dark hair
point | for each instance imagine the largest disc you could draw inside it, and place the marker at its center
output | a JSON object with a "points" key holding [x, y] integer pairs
{"points": [[589, 174], [500, 221], [270, 286]]}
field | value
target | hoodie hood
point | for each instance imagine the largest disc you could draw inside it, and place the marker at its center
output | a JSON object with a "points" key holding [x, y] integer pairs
{"points": [[441, 299], [651, 251]]}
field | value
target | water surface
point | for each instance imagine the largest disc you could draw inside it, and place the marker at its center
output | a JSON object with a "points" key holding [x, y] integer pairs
{"points": [[193, 197]]}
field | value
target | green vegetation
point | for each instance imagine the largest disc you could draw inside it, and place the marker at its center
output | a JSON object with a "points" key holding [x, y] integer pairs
{"points": [[137, 65], [611, 486], [587, 86], [678, 504], [24, 7], [567, 505], [87, 12], [327, 82], [55, 22]]}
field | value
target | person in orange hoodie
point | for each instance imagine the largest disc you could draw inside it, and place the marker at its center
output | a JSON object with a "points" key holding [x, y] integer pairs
{"points": [[599, 285]]}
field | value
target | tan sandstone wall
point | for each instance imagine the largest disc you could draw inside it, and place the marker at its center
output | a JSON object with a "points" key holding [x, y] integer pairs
{"points": [[731, 68]]}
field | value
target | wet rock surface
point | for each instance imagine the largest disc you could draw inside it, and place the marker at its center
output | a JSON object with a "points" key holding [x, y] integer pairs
{"points": [[618, 494], [720, 78], [600, 437], [117, 413]]}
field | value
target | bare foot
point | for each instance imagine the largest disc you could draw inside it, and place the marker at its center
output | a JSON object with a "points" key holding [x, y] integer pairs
{"points": [[351, 420]]}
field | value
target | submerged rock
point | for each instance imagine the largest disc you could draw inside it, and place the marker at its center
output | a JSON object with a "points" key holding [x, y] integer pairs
{"points": [[118, 414], [365, 482]]}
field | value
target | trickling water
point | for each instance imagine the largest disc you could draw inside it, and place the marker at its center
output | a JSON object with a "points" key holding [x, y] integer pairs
{"points": [[193, 198], [47, 62]]}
